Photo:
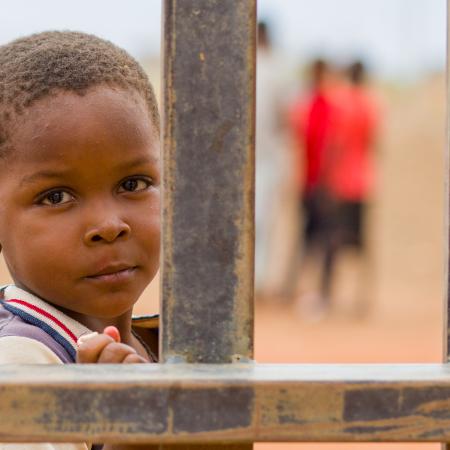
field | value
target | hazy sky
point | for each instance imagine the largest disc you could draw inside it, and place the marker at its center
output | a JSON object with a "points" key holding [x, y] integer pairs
{"points": [[398, 37]]}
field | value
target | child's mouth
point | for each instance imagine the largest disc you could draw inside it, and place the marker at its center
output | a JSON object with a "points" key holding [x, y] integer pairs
{"points": [[118, 274]]}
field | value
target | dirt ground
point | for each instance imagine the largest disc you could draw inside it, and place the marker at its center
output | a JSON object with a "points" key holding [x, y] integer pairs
{"points": [[406, 231]]}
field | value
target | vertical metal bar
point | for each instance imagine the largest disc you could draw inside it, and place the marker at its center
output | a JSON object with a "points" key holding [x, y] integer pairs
{"points": [[446, 337], [208, 178], [208, 175]]}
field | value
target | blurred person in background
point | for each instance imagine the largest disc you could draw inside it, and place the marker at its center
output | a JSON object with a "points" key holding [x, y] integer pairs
{"points": [[351, 170], [270, 162], [311, 119], [335, 126], [350, 162]]}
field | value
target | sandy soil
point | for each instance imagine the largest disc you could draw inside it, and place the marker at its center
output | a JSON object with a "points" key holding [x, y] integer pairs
{"points": [[404, 322]]}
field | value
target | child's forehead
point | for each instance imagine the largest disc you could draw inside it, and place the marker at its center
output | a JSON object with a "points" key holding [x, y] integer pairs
{"points": [[95, 103], [101, 116], [102, 128]]}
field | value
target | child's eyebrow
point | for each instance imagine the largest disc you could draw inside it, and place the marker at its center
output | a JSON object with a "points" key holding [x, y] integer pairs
{"points": [[57, 174], [139, 162], [43, 174]]}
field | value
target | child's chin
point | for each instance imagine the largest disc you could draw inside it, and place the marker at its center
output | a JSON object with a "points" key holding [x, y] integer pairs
{"points": [[113, 305]]}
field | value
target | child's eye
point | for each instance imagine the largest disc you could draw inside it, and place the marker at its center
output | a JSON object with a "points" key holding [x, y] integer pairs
{"points": [[56, 198], [134, 185]]}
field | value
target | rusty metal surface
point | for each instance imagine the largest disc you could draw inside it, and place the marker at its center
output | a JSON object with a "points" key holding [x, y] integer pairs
{"points": [[204, 404], [208, 176]]}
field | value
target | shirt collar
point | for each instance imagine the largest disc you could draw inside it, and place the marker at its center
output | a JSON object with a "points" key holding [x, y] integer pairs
{"points": [[38, 312]]}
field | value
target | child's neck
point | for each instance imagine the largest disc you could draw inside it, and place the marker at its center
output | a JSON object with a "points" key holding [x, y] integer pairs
{"points": [[122, 323]]}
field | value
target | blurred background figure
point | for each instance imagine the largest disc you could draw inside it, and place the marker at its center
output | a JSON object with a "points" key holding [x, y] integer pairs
{"points": [[334, 125], [313, 118], [351, 170], [270, 157]]}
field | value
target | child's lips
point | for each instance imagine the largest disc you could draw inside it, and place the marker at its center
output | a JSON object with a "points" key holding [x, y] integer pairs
{"points": [[113, 274]]}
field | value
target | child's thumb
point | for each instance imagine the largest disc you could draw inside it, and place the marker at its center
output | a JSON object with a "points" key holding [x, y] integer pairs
{"points": [[113, 332]]}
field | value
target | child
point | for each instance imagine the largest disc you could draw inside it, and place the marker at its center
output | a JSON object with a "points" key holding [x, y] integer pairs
{"points": [[79, 210]]}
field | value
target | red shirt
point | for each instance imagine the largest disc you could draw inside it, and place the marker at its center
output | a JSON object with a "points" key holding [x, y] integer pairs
{"points": [[336, 129], [348, 169], [311, 121]]}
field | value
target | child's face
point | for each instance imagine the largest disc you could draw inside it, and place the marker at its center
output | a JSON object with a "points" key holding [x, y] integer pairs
{"points": [[79, 209]]}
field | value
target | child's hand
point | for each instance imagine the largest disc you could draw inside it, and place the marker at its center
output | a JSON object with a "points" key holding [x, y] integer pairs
{"points": [[105, 348]]}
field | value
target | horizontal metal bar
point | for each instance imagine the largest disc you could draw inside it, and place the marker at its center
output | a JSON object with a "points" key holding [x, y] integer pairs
{"points": [[165, 403]]}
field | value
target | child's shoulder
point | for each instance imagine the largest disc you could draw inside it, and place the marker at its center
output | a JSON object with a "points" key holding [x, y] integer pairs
{"points": [[22, 342], [32, 325], [24, 315]]}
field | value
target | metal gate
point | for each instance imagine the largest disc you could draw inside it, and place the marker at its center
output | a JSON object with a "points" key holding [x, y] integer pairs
{"points": [[208, 391]]}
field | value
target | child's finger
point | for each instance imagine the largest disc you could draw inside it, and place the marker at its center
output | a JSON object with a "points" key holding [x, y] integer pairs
{"points": [[113, 332], [115, 353], [86, 337], [90, 349], [134, 359]]}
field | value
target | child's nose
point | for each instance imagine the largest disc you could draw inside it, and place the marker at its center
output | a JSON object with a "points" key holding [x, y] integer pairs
{"points": [[108, 232]]}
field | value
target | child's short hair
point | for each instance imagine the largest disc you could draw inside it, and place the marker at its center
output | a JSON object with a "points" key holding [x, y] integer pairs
{"points": [[43, 64]]}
